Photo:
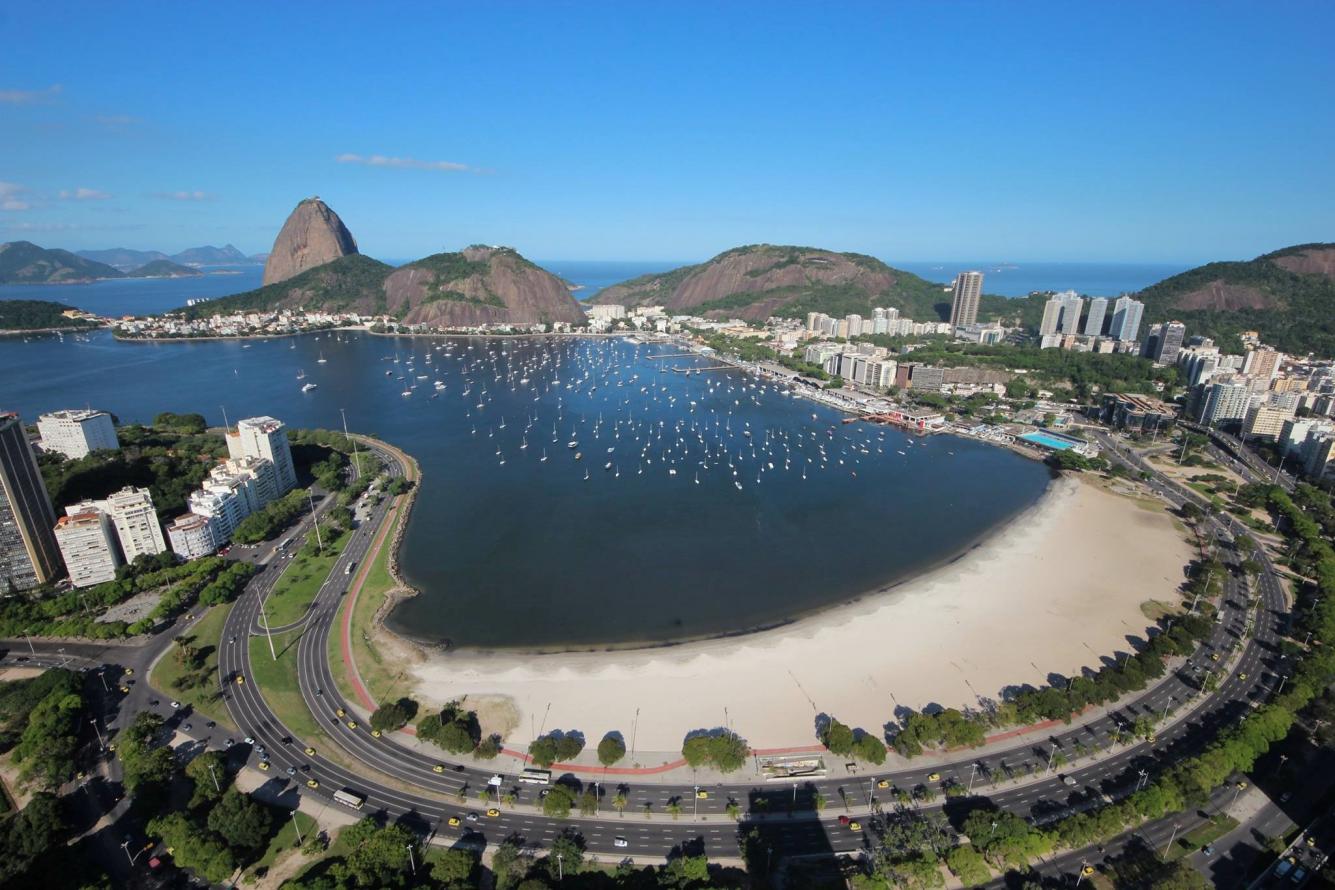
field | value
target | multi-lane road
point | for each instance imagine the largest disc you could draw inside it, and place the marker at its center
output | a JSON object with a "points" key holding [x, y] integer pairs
{"points": [[399, 777]]}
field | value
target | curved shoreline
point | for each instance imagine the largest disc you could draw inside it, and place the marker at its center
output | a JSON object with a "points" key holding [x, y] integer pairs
{"points": [[1049, 594], [782, 623]]}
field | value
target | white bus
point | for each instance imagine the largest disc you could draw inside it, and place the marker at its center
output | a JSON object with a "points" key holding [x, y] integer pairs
{"points": [[352, 565], [349, 798], [536, 776]]}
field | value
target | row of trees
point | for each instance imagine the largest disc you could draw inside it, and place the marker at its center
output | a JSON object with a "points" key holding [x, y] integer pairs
{"points": [[75, 612], [721, 749], [846, 741], [458, 731]]}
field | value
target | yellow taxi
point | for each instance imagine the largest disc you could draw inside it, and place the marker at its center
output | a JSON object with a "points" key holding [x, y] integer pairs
{"points": [[1242, 676], [342, 713], [438, 768], [310, 752], [883, 783], [241, 679], [493, 813], [1214, 656], [1087, 870], [129, 671], [1241, 785], [311, 783], [855, 825], [934, 777], [352, 724], [125, 690], [701, 795], [455, 822], [264, 765], [375, 733]]}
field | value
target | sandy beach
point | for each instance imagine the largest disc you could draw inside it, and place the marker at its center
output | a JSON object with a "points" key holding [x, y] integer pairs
{"points": [[1054, 591]]}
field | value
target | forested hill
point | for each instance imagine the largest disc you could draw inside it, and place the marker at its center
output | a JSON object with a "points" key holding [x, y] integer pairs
{"points": [[34, 315], [22, 262], [1288, 296], [760, 280]]}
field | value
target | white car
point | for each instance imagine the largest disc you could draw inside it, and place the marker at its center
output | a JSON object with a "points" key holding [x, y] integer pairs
{"points": [[619, 842], [249, 740], [175, 705]]}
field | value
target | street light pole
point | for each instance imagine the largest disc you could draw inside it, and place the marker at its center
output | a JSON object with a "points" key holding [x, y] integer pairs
{"points": [[216, 786], [411, 862], [316, 519], [31, 648], [973, 768], [1165, 709], [696, 797], [100, 741], [1172, 837], [295, 826], [1051, 756], [356, 464], [1083, 865], [267, 634], [560, 867]]}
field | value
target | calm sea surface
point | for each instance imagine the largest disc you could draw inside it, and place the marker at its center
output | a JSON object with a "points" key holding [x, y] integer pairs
{"points": [[727, 505]]}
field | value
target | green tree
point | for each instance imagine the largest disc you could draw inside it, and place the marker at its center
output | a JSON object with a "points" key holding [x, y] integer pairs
{"points": [[209, 773], [558, 803], [393, 715], [611, 749], [241, 821]]}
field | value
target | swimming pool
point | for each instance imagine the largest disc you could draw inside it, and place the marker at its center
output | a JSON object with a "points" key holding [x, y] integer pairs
{"points": [[1049, 441]]}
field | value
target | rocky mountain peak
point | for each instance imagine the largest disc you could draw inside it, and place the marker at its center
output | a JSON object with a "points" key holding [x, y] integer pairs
{"points": [[312, 236]]}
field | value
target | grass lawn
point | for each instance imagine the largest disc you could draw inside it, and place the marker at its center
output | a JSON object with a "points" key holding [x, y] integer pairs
{"points": [[277, 682], [286, 838], [167, 674], [301, 580], [1193, 840], [382, 678]]}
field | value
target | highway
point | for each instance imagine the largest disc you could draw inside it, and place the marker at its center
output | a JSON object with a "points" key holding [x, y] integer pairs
{"points": [[398, 778]]}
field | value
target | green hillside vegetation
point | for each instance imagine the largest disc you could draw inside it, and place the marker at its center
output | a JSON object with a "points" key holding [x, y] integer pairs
{"points": [[22, 262], [32, 315], [450, 268], [1301, 317], [164, 269], [333, 286]]}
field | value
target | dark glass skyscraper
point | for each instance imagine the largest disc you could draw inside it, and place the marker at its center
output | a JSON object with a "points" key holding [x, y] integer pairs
{"points": [[28, 552]]}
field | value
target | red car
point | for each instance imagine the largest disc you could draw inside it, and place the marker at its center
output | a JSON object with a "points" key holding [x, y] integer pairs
{"points": [[843, 820]]}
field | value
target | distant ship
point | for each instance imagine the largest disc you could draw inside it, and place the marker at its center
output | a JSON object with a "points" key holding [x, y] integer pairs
{"points": [[309, 386]]}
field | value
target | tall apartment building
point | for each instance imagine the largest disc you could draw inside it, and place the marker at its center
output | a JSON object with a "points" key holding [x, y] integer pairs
{"points": [[1098, 310], [76, 433], [1266, 421], [1052, 315], [136, 522], [29, 555], [964, 304], [88, 543], [264, 437], [1072, 305], [1170, 342], [1125, 324], [1225, 401], [191, 536], [1263, 364]]}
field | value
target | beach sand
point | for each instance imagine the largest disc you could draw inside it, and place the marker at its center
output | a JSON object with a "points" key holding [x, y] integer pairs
{"points": [[1054, 591]]}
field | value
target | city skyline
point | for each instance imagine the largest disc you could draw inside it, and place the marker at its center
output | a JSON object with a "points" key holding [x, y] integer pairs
{"points": [[528, 143]]}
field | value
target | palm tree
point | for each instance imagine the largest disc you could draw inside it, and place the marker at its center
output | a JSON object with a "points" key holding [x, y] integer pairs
{"points": [[619, 804], [674, 808]]}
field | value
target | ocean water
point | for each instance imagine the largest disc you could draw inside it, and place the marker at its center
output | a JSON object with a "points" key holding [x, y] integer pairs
{"points": [[1021, 279], [700, 504]]}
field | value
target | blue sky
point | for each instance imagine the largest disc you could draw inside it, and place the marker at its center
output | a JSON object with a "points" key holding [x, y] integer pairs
{"points": [[913, 131]]}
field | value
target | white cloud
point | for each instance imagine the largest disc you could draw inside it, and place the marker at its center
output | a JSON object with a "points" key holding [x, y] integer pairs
{"points": [[183, 196], [12, 197], [83, 194], [401, 163], [29, 97]]}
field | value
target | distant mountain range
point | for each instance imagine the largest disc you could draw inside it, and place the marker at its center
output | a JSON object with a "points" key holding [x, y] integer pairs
{"points": [[125, 259], [314, 264]]}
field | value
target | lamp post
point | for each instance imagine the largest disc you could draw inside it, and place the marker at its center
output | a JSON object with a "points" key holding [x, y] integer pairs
{"points": [[316, 519], [412, 863], [125, 845], [1172, 837], [218, 788], [1051, 757], [297, 827], [100, 741]]}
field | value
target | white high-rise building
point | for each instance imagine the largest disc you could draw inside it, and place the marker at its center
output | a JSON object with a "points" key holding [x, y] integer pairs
{"points": [[136, 522], [1052, 314], [77, 432], [1098, 308], [88, 543], [192, 536], [1225, 401], [264, 437], [964, 304], [1126, 316], [1072, 304]]}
